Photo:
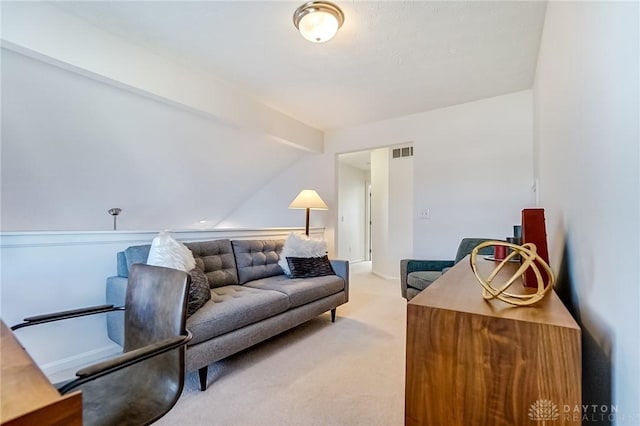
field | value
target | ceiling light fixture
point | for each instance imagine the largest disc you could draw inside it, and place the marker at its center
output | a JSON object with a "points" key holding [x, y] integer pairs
{"points": [[318, 21]]}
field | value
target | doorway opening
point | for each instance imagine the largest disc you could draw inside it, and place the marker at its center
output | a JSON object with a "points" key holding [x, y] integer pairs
{"points": [[354, 206], [375, 204]]}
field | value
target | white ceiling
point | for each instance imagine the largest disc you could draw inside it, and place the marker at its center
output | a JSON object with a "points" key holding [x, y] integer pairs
{"points": [[360, 160], [389, 59]]}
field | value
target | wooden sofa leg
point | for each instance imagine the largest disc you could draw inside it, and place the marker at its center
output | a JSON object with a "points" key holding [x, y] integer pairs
{"points": [[333, 315], [202, 373]]}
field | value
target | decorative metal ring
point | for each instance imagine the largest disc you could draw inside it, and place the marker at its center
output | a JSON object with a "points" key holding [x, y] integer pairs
{"points": [[530, 259]]}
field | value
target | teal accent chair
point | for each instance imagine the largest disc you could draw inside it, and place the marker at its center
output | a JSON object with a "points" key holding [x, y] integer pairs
{"points": [[416, 275]]}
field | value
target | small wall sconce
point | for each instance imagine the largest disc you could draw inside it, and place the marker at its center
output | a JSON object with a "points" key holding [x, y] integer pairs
{"points": [[115, 212]]}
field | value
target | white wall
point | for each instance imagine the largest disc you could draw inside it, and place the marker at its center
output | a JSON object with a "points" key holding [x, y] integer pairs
{"points": [[229, 175], [44, 31], [473, 168], [380, 212], [352, 195], [92, 121], [401, 210], [73, 147], [268, 205], [587, 139], [473, 171], [391, 211]]}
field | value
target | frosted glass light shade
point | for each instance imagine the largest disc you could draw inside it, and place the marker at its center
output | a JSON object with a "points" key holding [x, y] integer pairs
{"points": [[308, 199], [318, 27], [318, 21]]}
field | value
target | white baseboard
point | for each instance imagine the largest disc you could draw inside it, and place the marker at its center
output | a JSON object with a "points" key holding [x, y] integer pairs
{"points": [[65, 368]]}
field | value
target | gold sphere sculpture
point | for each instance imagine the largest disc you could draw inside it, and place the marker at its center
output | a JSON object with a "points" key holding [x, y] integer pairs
{"points": [[530, 259]]}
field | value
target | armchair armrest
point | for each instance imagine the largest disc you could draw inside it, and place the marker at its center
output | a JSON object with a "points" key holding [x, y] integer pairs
{"points": [[124, 360], [341, 268], [62, 315], [412, 265]]}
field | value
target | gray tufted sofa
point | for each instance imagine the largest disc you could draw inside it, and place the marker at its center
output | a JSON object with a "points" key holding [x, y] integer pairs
{"points": [[251, 298]]}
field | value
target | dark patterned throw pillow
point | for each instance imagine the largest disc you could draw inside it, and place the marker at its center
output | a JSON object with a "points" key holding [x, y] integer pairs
{"points": [[199, 292], [307, 267]]}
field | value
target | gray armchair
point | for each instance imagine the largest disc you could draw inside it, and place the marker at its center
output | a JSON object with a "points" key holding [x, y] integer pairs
{"points": [[416, 275], [140, 385]]}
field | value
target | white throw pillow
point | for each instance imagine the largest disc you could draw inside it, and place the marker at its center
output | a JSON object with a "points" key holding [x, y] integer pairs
{"points": [[300, 246], [167, 252]]}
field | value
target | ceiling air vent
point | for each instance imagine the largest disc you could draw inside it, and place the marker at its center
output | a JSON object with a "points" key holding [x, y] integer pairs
{"points": [[403, 152]]}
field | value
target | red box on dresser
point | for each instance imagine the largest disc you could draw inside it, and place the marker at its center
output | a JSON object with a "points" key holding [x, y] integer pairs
{"points": [[534, 231]]}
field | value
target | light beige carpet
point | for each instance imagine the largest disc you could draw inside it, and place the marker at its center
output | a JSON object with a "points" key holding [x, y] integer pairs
{"points": [[350, 372]]}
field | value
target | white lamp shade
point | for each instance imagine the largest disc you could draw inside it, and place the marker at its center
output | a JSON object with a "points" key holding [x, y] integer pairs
{"points": [[308, 199]]}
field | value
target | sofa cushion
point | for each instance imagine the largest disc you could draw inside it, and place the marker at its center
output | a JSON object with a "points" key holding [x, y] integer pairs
{"points": [[199, 291], [232, 307], [301, 290], [422, 279], [216, 259], [257, 259], [300, 246], [306, 267], [166, 251]]}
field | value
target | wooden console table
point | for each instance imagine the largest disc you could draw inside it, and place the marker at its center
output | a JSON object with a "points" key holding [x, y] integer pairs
{"points": [[476, 362], [28, 398]]}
